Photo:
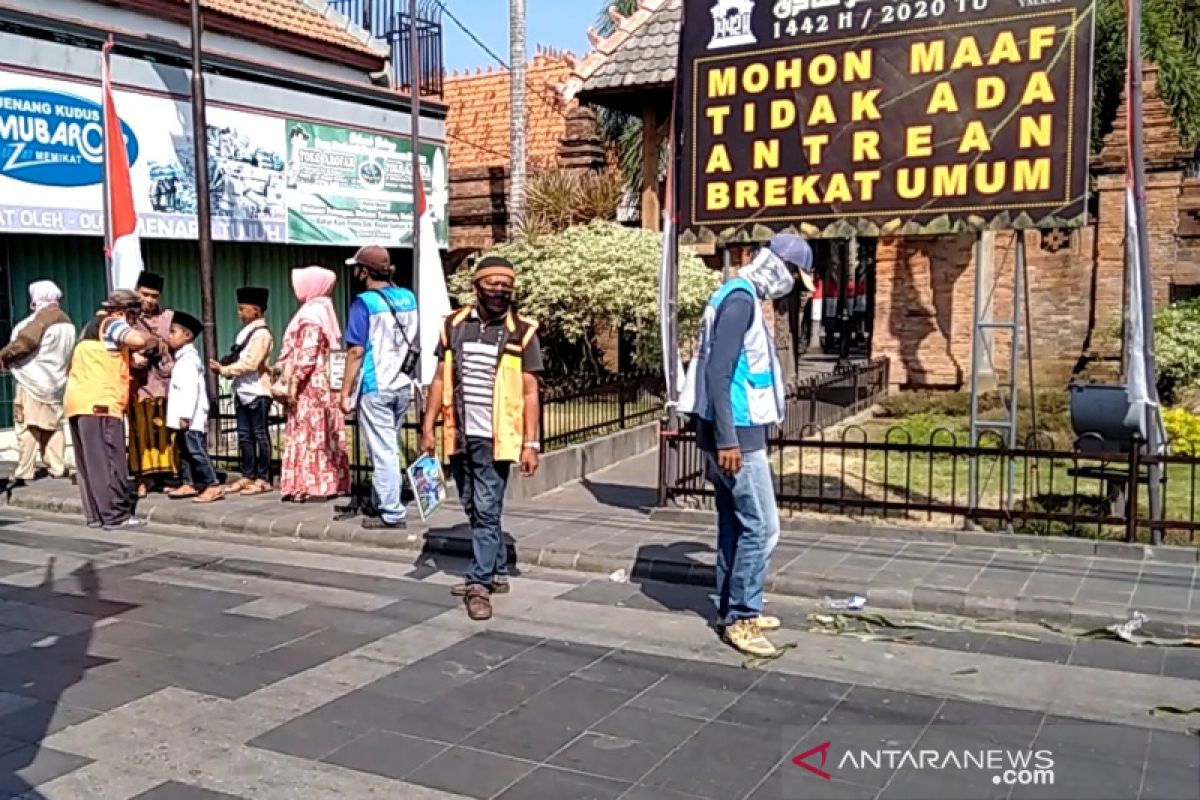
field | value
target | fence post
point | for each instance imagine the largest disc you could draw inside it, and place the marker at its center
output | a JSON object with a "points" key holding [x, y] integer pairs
{"points": [[854, 384], [621, 389], [1131, 503]]}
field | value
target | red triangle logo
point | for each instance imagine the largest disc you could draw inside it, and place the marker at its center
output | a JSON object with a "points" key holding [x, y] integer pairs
{"points": [[802, 760]]}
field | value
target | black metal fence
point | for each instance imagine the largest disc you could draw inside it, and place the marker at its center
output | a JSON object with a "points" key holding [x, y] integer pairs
{"points": [[570, 416], [388, 21], [812, 403], [1039, 488]]}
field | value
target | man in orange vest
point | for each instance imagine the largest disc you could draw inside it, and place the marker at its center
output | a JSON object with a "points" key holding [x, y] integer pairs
{"points": [[97, 398], [486, 392]]}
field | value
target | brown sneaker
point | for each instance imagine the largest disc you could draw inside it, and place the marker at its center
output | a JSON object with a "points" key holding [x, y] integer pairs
{"points": [[461, 589], [479, 604], [746, 637]]}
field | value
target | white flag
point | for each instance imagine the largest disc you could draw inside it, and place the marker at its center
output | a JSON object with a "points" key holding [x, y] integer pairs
{"points": [[433, 301]]}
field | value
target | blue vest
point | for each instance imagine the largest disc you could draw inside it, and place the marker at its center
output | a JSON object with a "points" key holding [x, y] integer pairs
{"points": [[757, 389]]}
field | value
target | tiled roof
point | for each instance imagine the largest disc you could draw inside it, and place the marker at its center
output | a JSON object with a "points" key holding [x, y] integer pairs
{"points": [[311, 19], [477, 126], [641, 52]]}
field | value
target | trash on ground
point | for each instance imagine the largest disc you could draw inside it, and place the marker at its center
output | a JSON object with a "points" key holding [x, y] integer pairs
{"points": [[1126, 630], [1174, 711], [755, 662], [620, 576], [875, 627], [959, 673], [1132, 638], [855, 602]]}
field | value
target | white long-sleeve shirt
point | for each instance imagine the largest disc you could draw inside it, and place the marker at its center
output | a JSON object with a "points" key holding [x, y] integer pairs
{"points": [[187, 397]]}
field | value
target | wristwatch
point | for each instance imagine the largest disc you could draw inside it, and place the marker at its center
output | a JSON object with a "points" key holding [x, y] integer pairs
{"points": [[534, 446]]}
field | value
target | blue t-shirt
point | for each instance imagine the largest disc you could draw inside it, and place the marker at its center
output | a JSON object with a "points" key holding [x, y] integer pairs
{"points": [[372, 325]]}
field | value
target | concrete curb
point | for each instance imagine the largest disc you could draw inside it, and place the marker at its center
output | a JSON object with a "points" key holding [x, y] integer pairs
{"points": [[925, 599], [1058, 545]]}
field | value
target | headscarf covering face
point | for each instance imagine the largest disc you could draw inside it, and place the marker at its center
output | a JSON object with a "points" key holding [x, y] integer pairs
{"points": [[769, 274], [314, 287], [43, 294]]}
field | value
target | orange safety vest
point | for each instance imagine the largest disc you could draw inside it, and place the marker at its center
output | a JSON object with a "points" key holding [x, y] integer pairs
{"points": [[508, 398], [98, 381]]}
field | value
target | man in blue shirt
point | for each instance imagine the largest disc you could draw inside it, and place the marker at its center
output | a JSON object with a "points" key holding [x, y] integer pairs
{"points": [[734, 390], [381, 332]]}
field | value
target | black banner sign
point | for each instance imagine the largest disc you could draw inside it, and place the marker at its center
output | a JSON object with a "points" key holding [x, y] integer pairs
{"points": [[834, 117]]}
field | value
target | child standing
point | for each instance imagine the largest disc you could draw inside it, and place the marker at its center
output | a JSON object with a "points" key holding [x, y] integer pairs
{"points": [[187, 414], [248, 365]]}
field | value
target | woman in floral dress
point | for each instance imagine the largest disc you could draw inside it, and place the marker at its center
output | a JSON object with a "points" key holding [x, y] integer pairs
{"points": [[315, 467]]}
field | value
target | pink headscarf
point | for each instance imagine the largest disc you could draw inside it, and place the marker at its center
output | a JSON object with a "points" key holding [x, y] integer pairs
{"points": [[313, 286]]}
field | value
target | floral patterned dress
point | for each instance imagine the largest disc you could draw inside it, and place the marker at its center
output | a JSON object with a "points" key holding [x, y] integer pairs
{"points": [[314, 459]]}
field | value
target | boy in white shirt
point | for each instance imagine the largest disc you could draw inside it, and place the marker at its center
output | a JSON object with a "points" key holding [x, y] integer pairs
{"points": [[187, 414]]}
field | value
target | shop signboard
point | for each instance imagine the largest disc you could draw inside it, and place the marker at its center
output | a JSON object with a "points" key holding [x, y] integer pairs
{"points": [[263, 185], [837, 117]]}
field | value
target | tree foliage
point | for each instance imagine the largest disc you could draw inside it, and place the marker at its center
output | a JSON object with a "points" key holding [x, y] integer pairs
{"points": [[1170, 39], [588, 280], [1177, 349], [558, 199]]}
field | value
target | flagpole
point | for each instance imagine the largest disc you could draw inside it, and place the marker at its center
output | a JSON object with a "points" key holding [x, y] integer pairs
{"points": [[1137, 173], [203, 213], [414, 82], [105, 77]]}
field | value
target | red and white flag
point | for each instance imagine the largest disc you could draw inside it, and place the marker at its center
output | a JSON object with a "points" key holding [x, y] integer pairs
{"points": [[433, 301], [122, 248]]}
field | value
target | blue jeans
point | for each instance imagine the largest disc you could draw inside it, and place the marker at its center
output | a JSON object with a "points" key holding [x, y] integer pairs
{"points": [[481, 484], [195, 467], [254, 440], [747, 527], [380, 417]]}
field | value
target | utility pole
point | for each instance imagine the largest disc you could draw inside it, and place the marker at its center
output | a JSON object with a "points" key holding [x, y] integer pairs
{"points": [[516, 170], [203, 215], [414, 82]]}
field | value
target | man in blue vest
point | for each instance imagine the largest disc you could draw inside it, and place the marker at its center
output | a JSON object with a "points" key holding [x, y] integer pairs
{"points": [[735, 391]]}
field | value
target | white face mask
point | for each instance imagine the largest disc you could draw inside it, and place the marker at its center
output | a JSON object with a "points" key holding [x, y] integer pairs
{"points": [[769, 274]]}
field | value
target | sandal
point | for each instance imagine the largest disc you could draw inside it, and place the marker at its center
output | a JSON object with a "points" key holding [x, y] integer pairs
{"points": [[240, 485], [256, 489], [182, 493], [211, 495], [479, 604]]}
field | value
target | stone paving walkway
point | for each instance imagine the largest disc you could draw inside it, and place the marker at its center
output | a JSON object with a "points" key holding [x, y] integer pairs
{"points": [[148, 666], [603, 526]]}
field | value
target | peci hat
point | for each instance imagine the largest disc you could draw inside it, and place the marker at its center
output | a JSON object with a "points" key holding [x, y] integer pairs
{"points": [[373, 259], [188, 323], [253, 296], [151, 281], [493, 265]]}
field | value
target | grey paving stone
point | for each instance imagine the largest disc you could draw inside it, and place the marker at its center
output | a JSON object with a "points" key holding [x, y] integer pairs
{"points": [[365, 709], [8, 745], [35, 722], [388, 754], [696, 689], [627, 671], [203, 647], [719, 762], [628, 744], [656, 793], [173, 790], [547, 783], [471, 773], [32, 765], [288, 660], [1118, 656], [779, 700], [549, 721], [790, 782], [1172, 767], [227, 681], [312, 736], [104, 694], [318, 617], [1182, 663], [266, 633], [28, 536], [1050, 652]]}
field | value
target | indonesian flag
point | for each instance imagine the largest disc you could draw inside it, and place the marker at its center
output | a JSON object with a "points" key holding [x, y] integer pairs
{"points": [[121, 245], [433, 301]]}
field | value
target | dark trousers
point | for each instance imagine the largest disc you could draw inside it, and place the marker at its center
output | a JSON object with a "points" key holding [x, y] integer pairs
{"points": [[103, 465], [254, 442], [481, 483], [195, 467]]}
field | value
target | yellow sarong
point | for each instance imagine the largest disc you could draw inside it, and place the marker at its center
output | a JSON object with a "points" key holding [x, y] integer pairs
{"points": [[151, 444]]}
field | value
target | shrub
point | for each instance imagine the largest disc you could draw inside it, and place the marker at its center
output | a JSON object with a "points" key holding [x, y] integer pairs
{"points": [[1177, 348], [591, 279], [1183, 430]]}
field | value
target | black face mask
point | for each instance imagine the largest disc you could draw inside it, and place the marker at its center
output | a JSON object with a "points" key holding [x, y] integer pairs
{"points": [[496, 301]]}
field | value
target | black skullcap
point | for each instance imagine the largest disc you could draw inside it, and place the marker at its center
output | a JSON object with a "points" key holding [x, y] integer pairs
{"points": [[188, 323], [151, 281], [253, 296]]}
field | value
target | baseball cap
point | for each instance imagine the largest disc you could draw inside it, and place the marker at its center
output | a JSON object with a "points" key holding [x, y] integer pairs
{"points": [[373, 258], [797, 253]]}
